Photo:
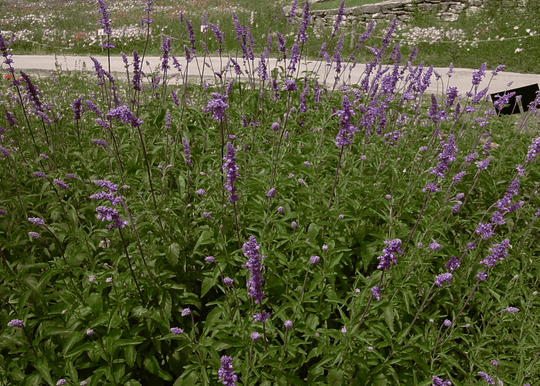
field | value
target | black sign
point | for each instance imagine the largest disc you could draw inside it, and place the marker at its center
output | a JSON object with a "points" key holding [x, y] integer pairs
{"points": [[528, 94]]}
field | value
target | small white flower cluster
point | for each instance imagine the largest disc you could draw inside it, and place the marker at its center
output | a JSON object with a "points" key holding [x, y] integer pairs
{"points": [[431, 35]]}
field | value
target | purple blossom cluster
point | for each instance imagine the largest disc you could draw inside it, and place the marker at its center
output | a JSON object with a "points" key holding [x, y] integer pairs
{"points": [[187, 152], [497, 252], [486, 377], [504, 203], [376, 293], [447, 155], [225, 372], [217, 106], [439, 382], [443, 278], [231, 169], [347, 129], [106, 184], [125, 115], [389, 254], [261, 317], [16, 323], [251, 251], [104, 213]]}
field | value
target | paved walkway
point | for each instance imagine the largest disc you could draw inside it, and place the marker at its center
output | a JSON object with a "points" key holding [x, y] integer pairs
{"points": [[461, 78]]}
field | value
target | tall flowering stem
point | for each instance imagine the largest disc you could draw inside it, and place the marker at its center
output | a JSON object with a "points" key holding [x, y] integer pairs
{"points": [[106, 23], [230, 168], [345, 135], [15, 83], [498, 252], [131, 267], [254, 284], [20, 324], [39, 222], [389, 257]]}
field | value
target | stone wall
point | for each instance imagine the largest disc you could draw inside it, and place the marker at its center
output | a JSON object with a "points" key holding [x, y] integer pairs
{"points": [[446, 10]]}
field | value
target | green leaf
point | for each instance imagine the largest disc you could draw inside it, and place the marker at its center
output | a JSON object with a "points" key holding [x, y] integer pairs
{"points": [[207, 283], [212, 317], [73, 338], [388, 313], [380, 380], [204, 238], [313, 231], [152, 365], [172, 253], [335, 377], [190, 380], [130, 342], [32, 380], [84, 347], [43, 368], [312, 321], [95, 303], [131, 355]]}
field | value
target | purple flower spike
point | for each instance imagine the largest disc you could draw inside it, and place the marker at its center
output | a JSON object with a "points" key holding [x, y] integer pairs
{"points": [[217, 106], [389, 254], [288, 324], [439, 382], [36, 221], [210, 259], [453, 263], [271, 193], [105, 213], [347, 129], [225, 372], [435, 246], [314, 259], [186, 311], [61, 382], [230, 166], [228, 281], [187, 152], [482, 165], [443, 278], [16, 323], [39, 174], [497, 252], [486, 377], [485, 230], [33, 235], [61, 184], [447, 323], [176, 331], [261, 317], [280, 210], [100, 142], [494, 363], [251, 251], [481, 276], [512, 309], [106, 184], [376, 292], [255, 336]]}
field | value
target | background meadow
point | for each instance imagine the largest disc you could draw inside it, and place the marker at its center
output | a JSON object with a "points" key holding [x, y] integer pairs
{"points": [[266, 227]]}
